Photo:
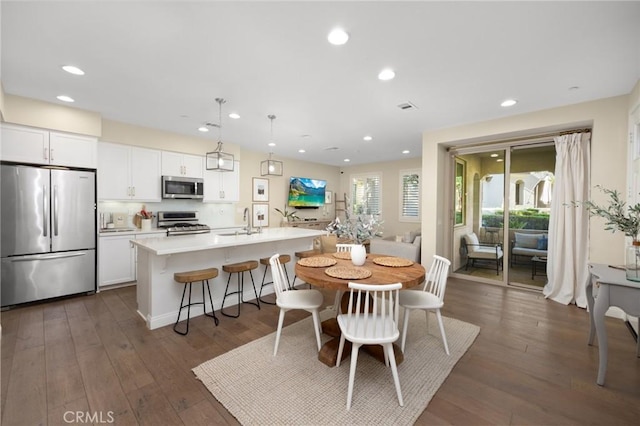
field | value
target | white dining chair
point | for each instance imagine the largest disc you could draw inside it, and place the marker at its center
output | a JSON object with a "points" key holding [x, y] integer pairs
{"points": [[430, 298], [340, 248], [371, 319], [288, 299]]}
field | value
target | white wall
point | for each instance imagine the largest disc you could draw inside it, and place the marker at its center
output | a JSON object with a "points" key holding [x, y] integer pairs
{"points": [[390, 172], [608, 119]]}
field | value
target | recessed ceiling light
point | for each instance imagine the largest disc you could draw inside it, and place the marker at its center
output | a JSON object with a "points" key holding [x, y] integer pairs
{"points": [[234, 115], [386, 74], [338, 37], [494, 155], [301, 151], [65, 98], [271, 144], [368, 138], [508, 103], [346, 160], [406, 151], [499, 160], [574, 88], [73, 70], [203, 129]]}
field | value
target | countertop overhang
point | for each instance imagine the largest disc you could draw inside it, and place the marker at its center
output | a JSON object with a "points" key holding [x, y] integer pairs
{"points": [[190, 243]]}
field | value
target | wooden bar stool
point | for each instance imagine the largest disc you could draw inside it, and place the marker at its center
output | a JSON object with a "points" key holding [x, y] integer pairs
{"points": [[302, 255], [189, 278], [284, 258], [240, 268]]}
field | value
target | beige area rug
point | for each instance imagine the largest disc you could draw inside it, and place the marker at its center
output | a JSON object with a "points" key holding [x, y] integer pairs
{"points": [[294, 388]]}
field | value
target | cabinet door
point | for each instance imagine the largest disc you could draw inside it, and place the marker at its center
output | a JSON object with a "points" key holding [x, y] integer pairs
{"points": [[145, 174], [114, 180], [171, 164], [72, 150], [193, 166], [25, 145], [116, 260], [222, 187]]}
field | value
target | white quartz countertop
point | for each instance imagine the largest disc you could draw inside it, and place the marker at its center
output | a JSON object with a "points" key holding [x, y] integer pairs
{"points": [[187, 243]]}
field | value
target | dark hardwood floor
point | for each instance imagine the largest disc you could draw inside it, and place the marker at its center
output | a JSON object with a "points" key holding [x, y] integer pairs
{"points": [[93, 354]]}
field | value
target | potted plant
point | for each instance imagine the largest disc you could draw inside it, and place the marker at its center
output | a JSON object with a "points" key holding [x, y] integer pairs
{"points": [[358, 230], [287, 215], [619, 217]]}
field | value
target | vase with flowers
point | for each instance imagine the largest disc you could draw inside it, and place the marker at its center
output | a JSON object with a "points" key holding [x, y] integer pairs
{"points": [[357, 229], [620, 217]]}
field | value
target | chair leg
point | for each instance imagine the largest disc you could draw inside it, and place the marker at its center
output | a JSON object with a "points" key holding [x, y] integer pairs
{"points": [[184, 290], [257, 303], [340, 348], [204, 305], [405, 326], [225, 298], [388, 349], [317, 327], [352, 372], [279, 331], [444, 336], [266, 268]]}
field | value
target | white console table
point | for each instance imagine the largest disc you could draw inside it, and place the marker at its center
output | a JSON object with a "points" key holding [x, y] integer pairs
{"points": [[613, 289]]}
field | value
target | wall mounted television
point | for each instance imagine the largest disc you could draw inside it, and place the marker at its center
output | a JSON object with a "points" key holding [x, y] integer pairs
{"points": [[306, 192]]}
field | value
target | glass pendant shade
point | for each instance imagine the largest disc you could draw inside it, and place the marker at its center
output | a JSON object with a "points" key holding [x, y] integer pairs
{"points": [[271, 167], [217, 159]]}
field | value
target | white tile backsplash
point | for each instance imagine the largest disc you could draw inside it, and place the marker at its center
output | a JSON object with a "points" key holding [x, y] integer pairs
{"points": [[216, 215]]}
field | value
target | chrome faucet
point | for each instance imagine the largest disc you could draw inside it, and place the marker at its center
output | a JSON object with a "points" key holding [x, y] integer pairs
{"points": [[247, 219]]}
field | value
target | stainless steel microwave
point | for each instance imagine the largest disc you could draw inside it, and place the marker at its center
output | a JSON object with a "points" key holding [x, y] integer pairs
{"points": [[182, 187]]}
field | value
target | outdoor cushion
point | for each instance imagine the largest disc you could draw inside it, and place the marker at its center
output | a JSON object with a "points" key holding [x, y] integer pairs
{"points": [[527, 240], [472, 242], [542, 242]]}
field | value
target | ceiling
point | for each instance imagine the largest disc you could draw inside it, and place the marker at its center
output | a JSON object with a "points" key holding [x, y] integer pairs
{"points": [[162, 64]]}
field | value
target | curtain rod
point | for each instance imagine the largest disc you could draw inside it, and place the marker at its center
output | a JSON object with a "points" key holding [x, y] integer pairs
{"points": [[523, 140]]}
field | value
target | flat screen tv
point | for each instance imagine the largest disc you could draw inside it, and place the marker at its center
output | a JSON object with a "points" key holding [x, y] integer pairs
{"points": [[306, 192]]}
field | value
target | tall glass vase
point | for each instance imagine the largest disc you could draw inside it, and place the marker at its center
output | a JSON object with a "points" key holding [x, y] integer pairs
{"points": [[632, 262]]}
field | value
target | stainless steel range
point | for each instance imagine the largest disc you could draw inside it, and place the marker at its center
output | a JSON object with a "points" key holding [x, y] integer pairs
{"points": [[181, 223]]}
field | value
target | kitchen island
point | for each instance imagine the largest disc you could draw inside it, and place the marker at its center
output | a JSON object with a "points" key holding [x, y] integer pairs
{"points": [[158, 295]]}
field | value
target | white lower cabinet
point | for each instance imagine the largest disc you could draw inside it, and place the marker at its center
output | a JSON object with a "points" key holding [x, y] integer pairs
{"points": [[116, 260]]}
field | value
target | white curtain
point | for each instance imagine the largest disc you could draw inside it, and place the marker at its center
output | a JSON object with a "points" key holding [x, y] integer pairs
{"points": [[568, 251]]}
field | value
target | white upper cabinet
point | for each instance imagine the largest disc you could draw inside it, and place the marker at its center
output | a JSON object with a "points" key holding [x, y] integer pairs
{"points": [[222, 187], [185, 165], [38, 146], [128, 173]]}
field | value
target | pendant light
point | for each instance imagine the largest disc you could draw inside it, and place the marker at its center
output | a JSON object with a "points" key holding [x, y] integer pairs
{"points": [[217, 159], [271, 167]]}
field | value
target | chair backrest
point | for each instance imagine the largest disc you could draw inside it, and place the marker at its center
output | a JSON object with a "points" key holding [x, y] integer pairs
{"points": [[343, 247], [436, 281], [277, 273], [471, 241], [373, 310]]}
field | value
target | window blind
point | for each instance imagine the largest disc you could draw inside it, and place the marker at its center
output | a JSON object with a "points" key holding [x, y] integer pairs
{"points": [[365, 193], [410, 208]]}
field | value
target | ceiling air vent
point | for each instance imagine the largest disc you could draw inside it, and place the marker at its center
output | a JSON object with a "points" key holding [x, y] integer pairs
{"points": [[332, 148], [407, 106], [212, 124]]}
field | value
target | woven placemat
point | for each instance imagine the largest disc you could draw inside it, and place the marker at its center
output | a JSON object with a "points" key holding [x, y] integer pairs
{"points": [[348, 272], [345, 255], [317, 262], [394, 262]]}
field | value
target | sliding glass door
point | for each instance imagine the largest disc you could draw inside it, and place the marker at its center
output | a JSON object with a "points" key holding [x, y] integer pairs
{"points": [[500, 213]]}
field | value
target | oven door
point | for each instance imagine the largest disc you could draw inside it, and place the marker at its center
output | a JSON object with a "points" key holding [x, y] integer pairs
{"points": [[182, 187]]}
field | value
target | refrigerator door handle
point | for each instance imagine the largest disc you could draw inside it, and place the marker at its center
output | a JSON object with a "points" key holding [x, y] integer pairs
{"points": [[55, 210], [33, 257], [45, 211]]}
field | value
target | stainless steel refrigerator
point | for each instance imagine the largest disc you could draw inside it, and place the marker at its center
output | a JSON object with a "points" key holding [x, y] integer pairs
{"points": [[48, 233]]}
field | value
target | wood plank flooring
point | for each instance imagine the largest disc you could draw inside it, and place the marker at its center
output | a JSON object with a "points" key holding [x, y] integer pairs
{"points": [[93, 354]]}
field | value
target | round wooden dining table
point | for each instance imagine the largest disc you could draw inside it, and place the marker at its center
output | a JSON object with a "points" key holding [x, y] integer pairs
{"points": [[408, 276]]}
